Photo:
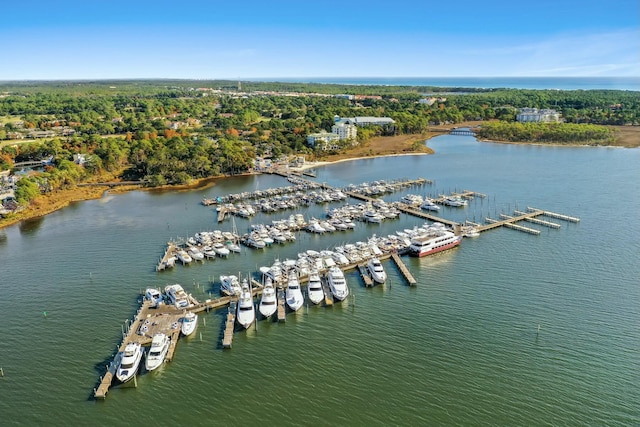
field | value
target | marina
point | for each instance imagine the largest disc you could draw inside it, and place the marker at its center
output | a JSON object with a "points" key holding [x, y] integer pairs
{"points": [[164, 319], [509, 328]]}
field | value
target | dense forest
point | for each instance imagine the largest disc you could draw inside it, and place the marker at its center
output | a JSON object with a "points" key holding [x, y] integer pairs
{"points": [[169, 132], [557, 133]]}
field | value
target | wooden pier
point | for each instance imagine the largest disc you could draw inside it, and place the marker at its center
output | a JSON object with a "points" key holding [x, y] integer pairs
{"points": [[328, 295], [172, 345], [555, 215], [403, 269], [222, 213], [514, 226], [364, 273], [539, 221], [425, 215], [282, 311], [169, 252], [229, 326]]}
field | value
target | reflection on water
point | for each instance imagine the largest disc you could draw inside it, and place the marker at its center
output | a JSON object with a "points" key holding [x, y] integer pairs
{"points": [[30, 226]]}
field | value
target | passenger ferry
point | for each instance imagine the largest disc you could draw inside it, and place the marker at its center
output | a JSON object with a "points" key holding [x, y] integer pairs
{"points": [[430, 244]]}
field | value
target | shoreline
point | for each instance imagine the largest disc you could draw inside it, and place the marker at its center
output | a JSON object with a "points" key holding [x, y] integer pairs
{"points": [[50, 203]]}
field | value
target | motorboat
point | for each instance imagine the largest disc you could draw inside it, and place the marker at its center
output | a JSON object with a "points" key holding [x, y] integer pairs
{"points": [[154, 297], [337, 283], [293, 294], [429, 205], [230, 285], [268, 301], [195, 253], [177, 296], [183, 257], [314, 288], [209, 252], [376, 270], [189, 323], [131, 357], [246, 313], [157, 351], [315, 227], [428, 244], [454, 201], [220, 249], [255, 241], [233, 247], [373, 216]]}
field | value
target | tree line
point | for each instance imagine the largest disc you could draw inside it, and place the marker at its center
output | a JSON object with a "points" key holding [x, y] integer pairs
{"points": [[167, 132]]}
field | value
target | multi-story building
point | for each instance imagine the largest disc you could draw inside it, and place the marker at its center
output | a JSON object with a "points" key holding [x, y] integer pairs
{"points": [[345, 131], [536, 115]]}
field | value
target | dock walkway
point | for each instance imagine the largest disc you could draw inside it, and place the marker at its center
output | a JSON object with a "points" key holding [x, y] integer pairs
{"points": [[229, 326], [403, 269]]}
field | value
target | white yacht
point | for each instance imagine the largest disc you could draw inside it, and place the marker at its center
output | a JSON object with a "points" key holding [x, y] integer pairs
{"points": [[157, 351], [373, 216], [221, 249], [154, 296], [177, 295], [376, 270], [209, 252], [294, 294], [268, 302], [429, 205], [183, 257], [314, 288], [233, 247], [189, 324], [338, 284], [230, 284], [131, 357], [455, 201], [195, 253], [315, 227], [246, 311]]}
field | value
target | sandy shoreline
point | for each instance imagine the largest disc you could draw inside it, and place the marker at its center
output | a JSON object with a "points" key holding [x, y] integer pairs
{"points": [[312, 165]]}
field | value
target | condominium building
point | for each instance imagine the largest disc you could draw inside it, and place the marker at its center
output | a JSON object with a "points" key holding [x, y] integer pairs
{"points": [[536, 115]]}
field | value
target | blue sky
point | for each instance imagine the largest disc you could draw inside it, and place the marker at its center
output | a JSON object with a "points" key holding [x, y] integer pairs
{"points": [[212, 39]]}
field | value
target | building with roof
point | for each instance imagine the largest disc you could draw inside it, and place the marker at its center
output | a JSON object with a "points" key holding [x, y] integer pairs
{"points": [[365, 120], [323, 140], [345, 131], [537, 115]]}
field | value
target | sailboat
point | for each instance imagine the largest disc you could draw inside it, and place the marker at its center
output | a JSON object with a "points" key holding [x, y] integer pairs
{"points": [[233, 246]]}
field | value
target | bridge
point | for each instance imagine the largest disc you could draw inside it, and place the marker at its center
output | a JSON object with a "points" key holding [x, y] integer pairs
{"points": [[465, 132]]}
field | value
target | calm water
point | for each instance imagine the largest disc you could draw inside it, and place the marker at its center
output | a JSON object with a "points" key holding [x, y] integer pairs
{"points": [[563, 83], [460, 348]]}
